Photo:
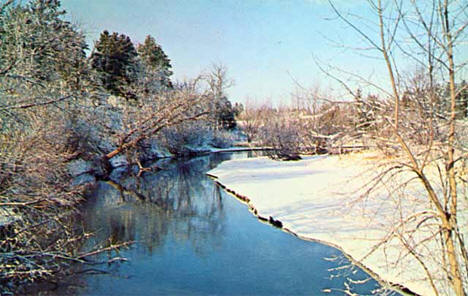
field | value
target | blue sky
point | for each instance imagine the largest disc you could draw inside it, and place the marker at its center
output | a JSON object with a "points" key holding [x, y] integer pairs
{"points": [[263, 43]]}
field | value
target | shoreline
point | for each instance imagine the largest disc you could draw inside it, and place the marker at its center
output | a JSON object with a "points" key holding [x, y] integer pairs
{"points": [[279, 224], [336, 201]]}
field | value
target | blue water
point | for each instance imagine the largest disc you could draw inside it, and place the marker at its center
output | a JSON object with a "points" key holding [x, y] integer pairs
{"points": [[192, 238]]}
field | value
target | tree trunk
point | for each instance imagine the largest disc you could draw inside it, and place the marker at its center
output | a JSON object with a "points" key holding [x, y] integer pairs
{"points": [[449, 231]]}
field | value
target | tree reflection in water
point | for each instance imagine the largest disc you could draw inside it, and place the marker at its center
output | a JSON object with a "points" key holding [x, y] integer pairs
{"points": [[193, 239], [177, 200]]}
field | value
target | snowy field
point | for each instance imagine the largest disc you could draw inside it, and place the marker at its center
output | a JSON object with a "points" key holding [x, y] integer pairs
{"points": [[325, 198]]}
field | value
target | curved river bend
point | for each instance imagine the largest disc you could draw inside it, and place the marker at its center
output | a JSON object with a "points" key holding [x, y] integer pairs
{"points": [[192, 238]]}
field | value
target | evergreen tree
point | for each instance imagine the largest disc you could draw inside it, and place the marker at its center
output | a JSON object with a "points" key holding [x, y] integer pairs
{"points": [[36, 43], [225, 114], [238, 109], [115, 59], [155, 60]]}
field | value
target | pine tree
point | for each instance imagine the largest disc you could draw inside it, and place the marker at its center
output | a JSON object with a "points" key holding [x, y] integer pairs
{"points": [[225, 114], [115, 59], [155, 60]]}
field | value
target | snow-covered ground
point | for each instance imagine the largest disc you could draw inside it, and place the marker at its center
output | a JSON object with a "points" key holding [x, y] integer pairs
{"points": [[323, 198]]}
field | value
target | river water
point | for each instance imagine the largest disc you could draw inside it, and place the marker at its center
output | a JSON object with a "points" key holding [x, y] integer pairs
{"points": [[193, 238]]}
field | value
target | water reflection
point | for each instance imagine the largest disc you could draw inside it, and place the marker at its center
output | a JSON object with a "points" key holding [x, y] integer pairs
{"points": [[174, 201], [192, 238]]}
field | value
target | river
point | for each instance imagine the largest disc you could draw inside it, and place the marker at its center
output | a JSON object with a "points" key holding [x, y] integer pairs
{"points": [[193, 238]]}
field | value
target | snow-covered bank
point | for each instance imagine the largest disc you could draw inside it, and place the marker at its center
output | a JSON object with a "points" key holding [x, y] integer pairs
{"points": [[321, 198]]}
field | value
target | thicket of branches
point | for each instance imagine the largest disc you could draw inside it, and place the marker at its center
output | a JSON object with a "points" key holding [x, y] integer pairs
{"points": [[425, 132], [56, 106], [316, 125], [417, 119]]}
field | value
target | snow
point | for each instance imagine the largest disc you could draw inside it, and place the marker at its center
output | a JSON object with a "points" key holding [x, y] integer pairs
{"points": [[322, 198], [7, 216]]}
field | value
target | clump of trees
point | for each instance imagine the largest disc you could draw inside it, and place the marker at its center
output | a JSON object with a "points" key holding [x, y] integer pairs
{"points": [[60, 109], [223, 113], [42, 77], [115, 59], [417, 120], [155, 62], [317, 126], [420, 122]]}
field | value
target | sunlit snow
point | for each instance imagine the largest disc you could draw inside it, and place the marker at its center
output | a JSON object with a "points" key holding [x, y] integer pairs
{"points": [[322, 198]]}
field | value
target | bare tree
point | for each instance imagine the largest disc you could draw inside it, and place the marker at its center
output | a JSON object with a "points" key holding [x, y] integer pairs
{"points": [[433, 30], [252, 118], [222, 112], [163, 110], [44, 85]]}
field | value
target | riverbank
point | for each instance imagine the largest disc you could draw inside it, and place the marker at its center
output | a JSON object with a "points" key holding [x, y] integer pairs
{"points": [[185, 228], [327, 198], [88, 172]]}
